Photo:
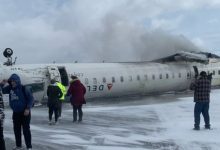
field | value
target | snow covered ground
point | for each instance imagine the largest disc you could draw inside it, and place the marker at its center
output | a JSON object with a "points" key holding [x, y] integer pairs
{"points": [[156, 123]]}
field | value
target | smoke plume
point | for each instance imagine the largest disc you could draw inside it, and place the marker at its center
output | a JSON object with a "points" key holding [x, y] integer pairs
{"points": [[87, 31]]}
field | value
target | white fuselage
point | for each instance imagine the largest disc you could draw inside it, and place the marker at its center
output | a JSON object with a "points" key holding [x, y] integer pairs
{"points": [[113, 79]]}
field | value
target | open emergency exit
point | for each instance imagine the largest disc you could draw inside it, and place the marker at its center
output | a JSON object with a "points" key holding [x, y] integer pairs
{"points": [[59, 74]]}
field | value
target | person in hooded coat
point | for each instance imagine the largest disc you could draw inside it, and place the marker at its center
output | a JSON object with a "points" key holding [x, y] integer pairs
{"points": [[20, 101], [76, 92]]}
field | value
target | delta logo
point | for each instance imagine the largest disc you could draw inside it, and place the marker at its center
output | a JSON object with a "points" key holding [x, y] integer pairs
{"points": [[109, 86]]}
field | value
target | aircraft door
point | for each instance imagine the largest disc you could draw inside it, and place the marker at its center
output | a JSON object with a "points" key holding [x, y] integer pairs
{"points": [[54, 73], [63, 76]]}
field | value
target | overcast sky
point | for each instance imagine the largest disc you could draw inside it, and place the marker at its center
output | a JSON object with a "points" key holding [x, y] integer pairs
{"points": [[43, 31]]}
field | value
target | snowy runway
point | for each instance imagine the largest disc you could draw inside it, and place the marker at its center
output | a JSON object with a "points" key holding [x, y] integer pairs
{"points": [[161, 122]]}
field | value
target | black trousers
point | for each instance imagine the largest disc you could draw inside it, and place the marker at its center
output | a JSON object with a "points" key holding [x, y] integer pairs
{"points": [[2, 141], [201, 107], [60, 108], [53, 109], [79, 109], [22, 121]]}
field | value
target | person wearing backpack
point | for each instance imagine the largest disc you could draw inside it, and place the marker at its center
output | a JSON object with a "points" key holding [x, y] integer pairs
{"points": [[20, 101], [54, 94]]}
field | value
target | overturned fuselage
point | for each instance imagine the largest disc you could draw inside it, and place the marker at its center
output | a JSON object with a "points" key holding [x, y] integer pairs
{"points": [[173, 73]]}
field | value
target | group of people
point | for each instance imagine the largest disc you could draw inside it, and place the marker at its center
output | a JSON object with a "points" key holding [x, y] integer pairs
{"points": [[21, 101], [56, 93]]}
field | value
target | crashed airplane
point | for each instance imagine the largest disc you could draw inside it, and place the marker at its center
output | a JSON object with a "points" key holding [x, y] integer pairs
{"points": [[172, 73]]}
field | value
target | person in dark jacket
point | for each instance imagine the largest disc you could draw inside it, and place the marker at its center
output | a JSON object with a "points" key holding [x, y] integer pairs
{"points": [[2, 116], [54, 94], [202, 88], [20, 100], [76, 92]]}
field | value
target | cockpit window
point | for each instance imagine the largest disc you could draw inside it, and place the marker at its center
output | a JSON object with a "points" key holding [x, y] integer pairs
{"points": [[36, 87]]}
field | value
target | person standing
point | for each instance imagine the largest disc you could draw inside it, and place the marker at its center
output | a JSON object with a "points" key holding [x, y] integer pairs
{"points": [[20, 100], [2, 116], [202, 88], [53, 93], [76, 92], [63, 90]]}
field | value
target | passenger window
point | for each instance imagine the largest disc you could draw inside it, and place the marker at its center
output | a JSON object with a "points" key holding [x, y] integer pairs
{"points": [[213, 72], [130, 78], [121, 79], [113, 79], [179, 75], [94, 81], [36, 87], [173, 75], [188, 75], [138, 77], [104, 80], [167, 75], [86, 81], [160, 76], [145, 76], [153, 77], [219, 72]]}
